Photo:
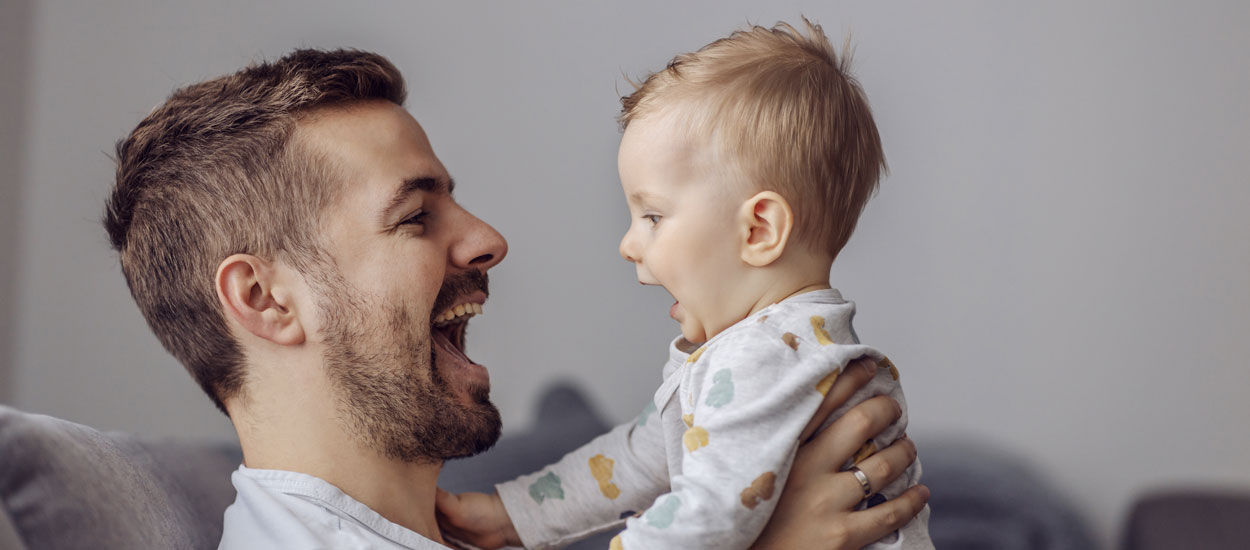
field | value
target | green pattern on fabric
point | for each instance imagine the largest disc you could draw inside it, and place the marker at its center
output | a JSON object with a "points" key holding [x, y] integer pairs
{"points": [[661, 515], [547, 487], [722, 392]]}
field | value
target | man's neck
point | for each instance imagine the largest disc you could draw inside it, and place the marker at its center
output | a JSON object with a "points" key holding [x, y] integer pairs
{"points": [[402, 492]]}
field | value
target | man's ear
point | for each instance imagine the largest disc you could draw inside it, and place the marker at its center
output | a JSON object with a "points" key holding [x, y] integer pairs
{"points": [[253, 293], [765, 220]]}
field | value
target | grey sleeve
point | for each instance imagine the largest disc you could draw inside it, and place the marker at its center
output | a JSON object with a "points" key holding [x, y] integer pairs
{"points": [[591, 489]]}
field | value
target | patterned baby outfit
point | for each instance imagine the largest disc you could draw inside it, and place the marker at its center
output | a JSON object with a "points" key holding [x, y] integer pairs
{"points": [[709, 454]]}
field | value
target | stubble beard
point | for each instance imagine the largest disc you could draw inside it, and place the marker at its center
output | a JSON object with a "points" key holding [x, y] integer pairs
{"points": [[389, 392]]}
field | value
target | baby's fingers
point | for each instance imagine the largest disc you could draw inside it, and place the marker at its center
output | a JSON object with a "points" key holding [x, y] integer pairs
{"points": [[444, 500]]}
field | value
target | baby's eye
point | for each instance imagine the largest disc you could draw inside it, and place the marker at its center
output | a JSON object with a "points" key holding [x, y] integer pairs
{"points": [[654, 218]]}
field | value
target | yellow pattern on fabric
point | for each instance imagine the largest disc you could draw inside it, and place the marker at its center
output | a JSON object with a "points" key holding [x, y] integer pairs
{"points": [[818, 327], [695, 356], [616, 544], [864, 452], [887, 363], [827, 382], [695, 438], [688, 419], [601, 469]]}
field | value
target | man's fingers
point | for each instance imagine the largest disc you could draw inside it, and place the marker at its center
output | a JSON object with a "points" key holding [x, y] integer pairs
{"points": [[855, 376], [834, 446], [881, 468], [868, 526]]}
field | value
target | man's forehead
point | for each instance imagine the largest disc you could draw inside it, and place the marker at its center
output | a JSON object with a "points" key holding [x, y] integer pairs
{"points": [[380, 158], [374, 146]]}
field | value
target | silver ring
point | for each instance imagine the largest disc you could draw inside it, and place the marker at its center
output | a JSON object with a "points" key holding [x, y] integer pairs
{"points": [[862, 478]]}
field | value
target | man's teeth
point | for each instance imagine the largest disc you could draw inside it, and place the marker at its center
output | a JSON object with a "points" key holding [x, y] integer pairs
{"points": [[458, 313]]}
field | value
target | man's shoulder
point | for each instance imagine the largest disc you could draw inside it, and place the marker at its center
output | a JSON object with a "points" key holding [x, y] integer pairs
{"points": [[281, 509], [264, 516]]}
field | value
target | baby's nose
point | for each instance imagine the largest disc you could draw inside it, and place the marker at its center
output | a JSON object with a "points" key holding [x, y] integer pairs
{"points": [[627, 249]]}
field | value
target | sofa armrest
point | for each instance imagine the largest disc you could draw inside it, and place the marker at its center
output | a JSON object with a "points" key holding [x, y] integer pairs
{"points": [[8, 534]]}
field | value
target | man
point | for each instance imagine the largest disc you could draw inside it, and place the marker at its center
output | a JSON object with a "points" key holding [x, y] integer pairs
{"points": [[292, 239]]}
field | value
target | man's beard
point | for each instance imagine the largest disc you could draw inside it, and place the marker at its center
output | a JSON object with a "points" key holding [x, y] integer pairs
{"points": [[390, 392]]}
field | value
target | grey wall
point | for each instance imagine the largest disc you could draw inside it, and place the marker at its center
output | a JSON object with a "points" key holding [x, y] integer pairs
{"points": [[1057, 260], [15, 36]]}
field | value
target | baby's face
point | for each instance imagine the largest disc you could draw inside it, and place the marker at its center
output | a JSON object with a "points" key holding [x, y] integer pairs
{"points": [[682, 234]]}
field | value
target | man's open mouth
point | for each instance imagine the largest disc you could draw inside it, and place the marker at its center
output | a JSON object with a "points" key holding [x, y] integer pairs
{"points": [[450, 326]]}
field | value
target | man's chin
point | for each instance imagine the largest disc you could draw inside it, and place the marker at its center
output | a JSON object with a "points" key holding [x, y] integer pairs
{"points": [[482, 434], [469, 385]]}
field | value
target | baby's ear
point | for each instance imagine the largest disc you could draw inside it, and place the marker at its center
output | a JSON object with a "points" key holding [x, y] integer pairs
{"points": [[765, 221]]}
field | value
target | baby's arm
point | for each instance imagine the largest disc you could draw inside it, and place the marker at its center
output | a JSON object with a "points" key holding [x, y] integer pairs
{"points": [[753, 401], [591, 489]]}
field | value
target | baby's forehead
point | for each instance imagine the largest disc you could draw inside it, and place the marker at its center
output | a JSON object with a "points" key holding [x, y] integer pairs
{"points": [[675, 137]]}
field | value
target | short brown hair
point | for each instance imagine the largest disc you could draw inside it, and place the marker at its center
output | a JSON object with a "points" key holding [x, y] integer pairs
{"points": [[212, 172], [785, 113]]}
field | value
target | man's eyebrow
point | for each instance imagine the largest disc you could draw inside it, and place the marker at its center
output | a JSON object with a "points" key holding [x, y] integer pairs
{"points": [[412, 185]]}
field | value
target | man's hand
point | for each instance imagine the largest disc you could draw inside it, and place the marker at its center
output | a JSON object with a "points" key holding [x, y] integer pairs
{"points": [[817, 507], [476, 518]]}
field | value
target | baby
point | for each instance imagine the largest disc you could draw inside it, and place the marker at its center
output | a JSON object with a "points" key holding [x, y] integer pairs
{"points": [[745, 166]]}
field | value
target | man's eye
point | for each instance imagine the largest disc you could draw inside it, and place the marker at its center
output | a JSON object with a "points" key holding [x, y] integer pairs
{"points": [[654, 218], [415, 219]]}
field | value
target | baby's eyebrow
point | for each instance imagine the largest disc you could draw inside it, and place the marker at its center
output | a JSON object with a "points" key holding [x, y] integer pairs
{"points": [[641, 197]]}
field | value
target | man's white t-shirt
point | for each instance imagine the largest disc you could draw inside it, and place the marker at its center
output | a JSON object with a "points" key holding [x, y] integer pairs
{"points": [[277, 509]]}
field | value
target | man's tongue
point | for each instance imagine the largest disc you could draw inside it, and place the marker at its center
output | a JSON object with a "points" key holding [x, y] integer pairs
{"points": [[673, 311], [444, 345]]}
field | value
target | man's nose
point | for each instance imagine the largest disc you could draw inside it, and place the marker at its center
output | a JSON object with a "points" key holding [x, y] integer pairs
{"points": [[481, 247]]}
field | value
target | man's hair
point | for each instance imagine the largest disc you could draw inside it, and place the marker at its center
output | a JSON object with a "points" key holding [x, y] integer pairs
{"points": [[213, 172], [782, 113]]}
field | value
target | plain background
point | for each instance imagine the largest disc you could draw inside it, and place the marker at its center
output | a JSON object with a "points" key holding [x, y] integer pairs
{"points": [[1058, 260]]}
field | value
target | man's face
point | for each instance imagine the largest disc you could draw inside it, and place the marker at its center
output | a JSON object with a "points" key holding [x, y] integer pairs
{"points": [[409, 270]]}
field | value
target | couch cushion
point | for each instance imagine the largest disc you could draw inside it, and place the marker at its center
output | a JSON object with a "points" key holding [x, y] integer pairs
{"points": [[69, 486], [65, 485], [985, 498], [1213, 519]]}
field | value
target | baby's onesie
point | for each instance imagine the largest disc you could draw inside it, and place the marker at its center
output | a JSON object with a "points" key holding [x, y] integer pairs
{"points": [[707, 469]]}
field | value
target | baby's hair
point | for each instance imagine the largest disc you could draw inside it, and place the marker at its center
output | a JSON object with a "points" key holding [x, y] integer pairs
{"points": [[782, 113]]}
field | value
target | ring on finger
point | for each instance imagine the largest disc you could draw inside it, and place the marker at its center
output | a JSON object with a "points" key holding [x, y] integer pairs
{"points": [[862, 478]]}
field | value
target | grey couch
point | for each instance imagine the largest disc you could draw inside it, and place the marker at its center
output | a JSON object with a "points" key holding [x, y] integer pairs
{"points": [[67, 486]]}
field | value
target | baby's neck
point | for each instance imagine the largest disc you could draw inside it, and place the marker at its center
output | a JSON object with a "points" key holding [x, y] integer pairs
{"points": [[792, 275], [778, 294], [774, 291]]}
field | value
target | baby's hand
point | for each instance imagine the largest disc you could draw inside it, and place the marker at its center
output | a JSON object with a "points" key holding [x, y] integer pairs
{"points": [[476, 518]]}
